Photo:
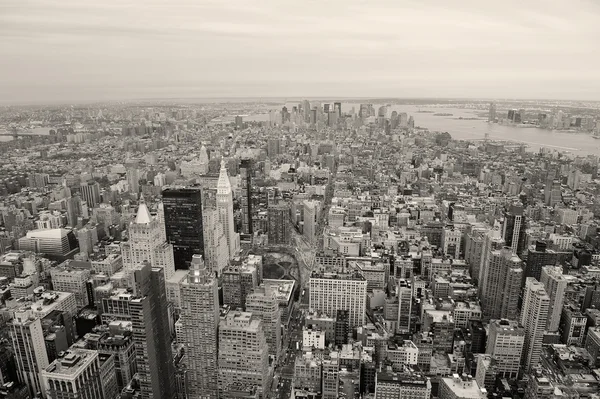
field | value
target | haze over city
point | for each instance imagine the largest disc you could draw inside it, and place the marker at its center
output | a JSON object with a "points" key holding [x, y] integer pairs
{"points": [[85, 51]]}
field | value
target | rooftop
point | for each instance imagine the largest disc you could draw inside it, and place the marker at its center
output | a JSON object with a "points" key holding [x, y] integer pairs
{"points": [[71, 364]]}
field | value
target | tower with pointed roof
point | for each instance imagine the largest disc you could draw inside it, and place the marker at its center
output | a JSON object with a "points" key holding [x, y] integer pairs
{"points": [[203, 160], [147, 243], [225, 209]]}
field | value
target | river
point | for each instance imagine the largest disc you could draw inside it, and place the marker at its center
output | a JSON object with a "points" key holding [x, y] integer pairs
{"points": [[463, 129]]}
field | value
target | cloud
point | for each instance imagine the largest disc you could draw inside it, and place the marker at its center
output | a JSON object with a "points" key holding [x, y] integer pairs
{"points": [[70, 50]]}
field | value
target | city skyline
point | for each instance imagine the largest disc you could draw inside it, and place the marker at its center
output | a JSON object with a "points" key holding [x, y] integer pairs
{"points": [[111, 51]]}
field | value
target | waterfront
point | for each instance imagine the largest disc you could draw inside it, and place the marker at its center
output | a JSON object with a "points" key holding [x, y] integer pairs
{"points": [[475, 129]]}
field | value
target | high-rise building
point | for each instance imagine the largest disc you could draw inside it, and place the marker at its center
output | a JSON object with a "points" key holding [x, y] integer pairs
{"points": [[67, 279], [278, 224], [216, 251], [151, 334], [243, 355], [537, 257], [246, 173], [338, 108], [90, 193], [239, 280], [133, 180], [264, 303], [505, 343], [225, 209], [555, 284], [404, 307], [200, 323], [183, 224], [592, 345], [502, 285], [330, 292], [492, 241], [572, 326], [534, 317], [390, 385], [81, 373], [513, 228], [461, 387], [29, 347], [147, 243], [310, 219], [492, 112]]}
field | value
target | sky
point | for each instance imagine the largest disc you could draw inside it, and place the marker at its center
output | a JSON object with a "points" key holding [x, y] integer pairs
{"points": [[97, 50]]}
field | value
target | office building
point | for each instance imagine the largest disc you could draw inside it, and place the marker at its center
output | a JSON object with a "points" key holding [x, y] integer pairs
{"points": [[392, 385], [246, 174], [460, 387], [492, 112], [90, 193], [58, 242], [29, 347], [555, 284], [534, 317], [200, 323], [311, 215], [278, 224], [151, 334], [513, 228], [539, 256], [225, 209], [216, 251], [502, 285], [404, 307], [263, 303], [592, 345], [238, 281], [81, 373], [68, 279], [146, 243], [183, 224], [243, 354], [329, 292], [133, 180], [505, 344], [572, 326]]}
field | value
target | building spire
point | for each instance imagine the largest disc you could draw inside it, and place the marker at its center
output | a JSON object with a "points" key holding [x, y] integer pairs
{"points": [[143, 215], [223, 184]]}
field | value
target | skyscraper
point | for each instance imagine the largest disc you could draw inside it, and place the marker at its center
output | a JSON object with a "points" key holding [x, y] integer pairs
{"points": [[278, 223], [505, 343], [216, 251], [246, 171], [151, 334], [263, 303], [183, 223], [513, 228], [90, 193], [502, 285], [200, 320], [81, 373], [243, 354], [537, 257], [29, 346], [330, 292], [225, 209], [555, 284], [534, 316], [492, 112], [146, 243]]}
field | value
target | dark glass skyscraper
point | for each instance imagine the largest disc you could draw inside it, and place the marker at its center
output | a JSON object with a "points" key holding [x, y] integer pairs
{"points": [[183, 224], [246, 171], [151, 334]]}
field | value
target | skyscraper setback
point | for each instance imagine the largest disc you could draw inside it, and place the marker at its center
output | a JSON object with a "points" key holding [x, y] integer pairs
{"points": [[200, 320], [183, 223], [225, 209], [151, 333]]}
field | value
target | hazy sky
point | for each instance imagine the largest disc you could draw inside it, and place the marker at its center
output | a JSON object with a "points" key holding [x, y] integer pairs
{"points": [[67, 50]]}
